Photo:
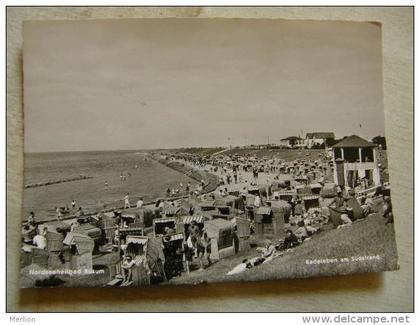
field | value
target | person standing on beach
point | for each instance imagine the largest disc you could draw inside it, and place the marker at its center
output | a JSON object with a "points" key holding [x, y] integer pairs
{"points": [[31, 218], [292, 203], [40, 240], [127, 201], [140, 203], [73, 204], [106, 185], [203, 250], [59, 214], [80, 213], [257, 201]]}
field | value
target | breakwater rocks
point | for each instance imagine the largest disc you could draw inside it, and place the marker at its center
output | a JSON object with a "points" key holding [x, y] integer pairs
{"points": [[210, 181], [58, 181]]}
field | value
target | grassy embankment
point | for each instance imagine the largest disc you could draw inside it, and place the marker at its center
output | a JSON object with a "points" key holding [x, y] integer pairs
{"points": [[368, 237]]}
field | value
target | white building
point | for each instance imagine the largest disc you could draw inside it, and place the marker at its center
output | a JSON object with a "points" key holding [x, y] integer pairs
{"points": [[318, 138], [290, 142]]}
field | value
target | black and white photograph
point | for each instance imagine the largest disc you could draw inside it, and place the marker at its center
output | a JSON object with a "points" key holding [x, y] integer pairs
{"points": [[190, 151]]}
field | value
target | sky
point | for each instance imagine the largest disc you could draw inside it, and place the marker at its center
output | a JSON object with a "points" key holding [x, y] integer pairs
{"points": [[168, 83]]}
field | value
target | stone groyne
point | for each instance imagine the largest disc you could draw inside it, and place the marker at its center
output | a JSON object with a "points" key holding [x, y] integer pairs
{"points": [[58, 181], [210, 184]]}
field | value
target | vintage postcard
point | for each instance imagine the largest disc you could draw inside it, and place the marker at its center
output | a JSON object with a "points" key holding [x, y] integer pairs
{"points": [[185, 151]]}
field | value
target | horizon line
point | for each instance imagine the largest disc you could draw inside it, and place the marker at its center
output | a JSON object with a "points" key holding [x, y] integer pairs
{"points": [[154, 149]]}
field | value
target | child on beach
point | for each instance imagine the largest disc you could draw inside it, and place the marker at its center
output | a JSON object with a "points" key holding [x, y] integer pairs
{"points": [[127, 201], [59, 214], [140, 203]]}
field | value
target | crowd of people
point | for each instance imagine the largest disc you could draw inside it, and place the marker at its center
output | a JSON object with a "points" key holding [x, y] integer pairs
{"points": [[238, 176]]}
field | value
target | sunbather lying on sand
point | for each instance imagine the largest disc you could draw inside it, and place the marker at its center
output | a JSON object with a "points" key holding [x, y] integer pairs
{"points": [[268, 253], [246, 264], [346, 219]]}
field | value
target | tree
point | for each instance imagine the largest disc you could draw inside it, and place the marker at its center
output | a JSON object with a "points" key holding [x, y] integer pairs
{"points": [[380, 141]]}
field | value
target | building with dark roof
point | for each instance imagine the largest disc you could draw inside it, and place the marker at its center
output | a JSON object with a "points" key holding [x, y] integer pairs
{"points": [[354, 141], [355, 162]]}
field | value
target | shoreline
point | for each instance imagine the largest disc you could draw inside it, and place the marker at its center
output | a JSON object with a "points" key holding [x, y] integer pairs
{"points": [[211, 180], [211, 184]]}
